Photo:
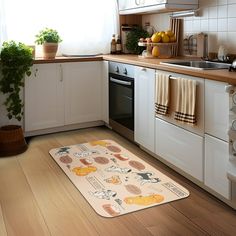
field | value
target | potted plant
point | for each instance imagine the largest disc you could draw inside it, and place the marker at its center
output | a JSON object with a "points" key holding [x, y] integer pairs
{"points": [[16, 61], [49, 39]]}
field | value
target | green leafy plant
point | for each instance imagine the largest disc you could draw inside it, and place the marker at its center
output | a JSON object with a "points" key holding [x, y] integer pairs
{"points": [[47, 36], [16, 61], [132, 40]]}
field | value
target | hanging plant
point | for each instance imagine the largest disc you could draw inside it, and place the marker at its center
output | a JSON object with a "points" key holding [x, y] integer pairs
{"points": [[16, 61]]}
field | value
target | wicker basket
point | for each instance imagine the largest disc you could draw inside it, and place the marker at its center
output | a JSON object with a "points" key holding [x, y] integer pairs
{"points": [[12, 141]]}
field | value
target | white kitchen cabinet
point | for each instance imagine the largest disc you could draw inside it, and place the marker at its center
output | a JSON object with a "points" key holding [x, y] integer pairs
{"points": [[63, 94], [144, 131], [216, 109], [216, 159], [83, 92], [44, 98], [180, 147], [105, 92]]}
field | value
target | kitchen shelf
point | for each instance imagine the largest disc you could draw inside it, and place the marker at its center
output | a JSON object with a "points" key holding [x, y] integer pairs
{"points": [[165, 49]]}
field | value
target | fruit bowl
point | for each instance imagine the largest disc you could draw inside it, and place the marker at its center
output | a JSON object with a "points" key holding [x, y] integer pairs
{"points": [[144, 44], [164, 49]]}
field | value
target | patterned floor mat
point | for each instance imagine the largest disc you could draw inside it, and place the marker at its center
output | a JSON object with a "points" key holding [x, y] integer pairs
{"points": [[113, 180]]}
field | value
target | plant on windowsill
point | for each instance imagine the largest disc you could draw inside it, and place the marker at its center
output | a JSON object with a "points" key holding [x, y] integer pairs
{"points": [[49, 39], [15, 64]]}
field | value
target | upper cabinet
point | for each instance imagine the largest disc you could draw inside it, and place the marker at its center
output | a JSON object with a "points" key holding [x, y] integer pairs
{"points": [[155, 6]]}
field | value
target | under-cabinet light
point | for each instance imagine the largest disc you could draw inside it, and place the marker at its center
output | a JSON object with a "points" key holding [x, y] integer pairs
{"points": [[184, 14]]}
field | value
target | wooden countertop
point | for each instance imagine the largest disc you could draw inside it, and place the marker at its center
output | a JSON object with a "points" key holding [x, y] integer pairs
{"points": [[222, 75], [40, 60]]}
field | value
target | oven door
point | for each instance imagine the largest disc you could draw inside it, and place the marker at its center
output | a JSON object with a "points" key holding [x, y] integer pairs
{"points": [[121, 100]]}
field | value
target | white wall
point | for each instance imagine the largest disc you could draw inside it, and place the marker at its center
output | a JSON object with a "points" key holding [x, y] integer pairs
{"points": [[217, 18]]}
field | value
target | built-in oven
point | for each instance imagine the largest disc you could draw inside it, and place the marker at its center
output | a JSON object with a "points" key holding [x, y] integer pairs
{"points": [[121, 99]]}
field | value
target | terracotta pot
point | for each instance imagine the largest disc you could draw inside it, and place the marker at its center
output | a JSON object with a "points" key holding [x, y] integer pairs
{"points": [[50, 50], [12, 140]]}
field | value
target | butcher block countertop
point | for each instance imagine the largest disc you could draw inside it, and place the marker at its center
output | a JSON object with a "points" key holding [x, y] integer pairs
{"points": [[222, 75]]}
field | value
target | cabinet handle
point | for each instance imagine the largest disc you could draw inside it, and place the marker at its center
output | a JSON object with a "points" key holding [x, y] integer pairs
{"points": [[36, 72], [229, 89], [231, 177], [143, 69], [61, 70]]}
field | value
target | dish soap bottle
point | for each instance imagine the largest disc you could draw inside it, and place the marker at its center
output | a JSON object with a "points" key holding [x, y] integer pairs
{"points": [[113, 44]]}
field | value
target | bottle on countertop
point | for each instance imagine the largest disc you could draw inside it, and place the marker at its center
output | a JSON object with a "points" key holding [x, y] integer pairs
{"points": [[118, 45], [113, 44]]}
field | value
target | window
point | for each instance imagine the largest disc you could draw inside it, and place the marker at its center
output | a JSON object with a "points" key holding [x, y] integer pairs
{"points": [[86, 26]]}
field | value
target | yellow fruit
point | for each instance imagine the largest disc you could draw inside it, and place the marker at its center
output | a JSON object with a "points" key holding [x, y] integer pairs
{"points": [[170, 33], [173, 39], [156, 38], [155, 51], [165, 38]]}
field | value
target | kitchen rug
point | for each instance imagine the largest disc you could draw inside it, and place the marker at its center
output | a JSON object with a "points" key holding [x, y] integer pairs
{"points": [[113, 180]]}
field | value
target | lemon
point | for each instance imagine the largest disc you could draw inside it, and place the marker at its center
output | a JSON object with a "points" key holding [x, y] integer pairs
{"points": [[172, 39], [169, 33], [156, 38], [155, 51], [165, 38]]}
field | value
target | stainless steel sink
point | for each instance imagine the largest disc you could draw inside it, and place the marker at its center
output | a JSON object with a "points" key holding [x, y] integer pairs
{"points": [[198, 65]]}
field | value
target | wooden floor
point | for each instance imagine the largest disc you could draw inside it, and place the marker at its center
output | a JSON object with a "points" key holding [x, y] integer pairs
{"points": [[36, 198]]}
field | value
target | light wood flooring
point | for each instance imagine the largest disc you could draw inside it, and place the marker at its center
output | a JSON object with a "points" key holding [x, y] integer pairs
{"points": [[36, 198]]}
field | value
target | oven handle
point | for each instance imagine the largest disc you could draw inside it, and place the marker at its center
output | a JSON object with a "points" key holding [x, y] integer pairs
{"points": [[120, 81]]}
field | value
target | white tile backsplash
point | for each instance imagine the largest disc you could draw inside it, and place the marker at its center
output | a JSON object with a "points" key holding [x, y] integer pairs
{"points": [[222, 25], [216, 17], [222, 11], [212, 12]]}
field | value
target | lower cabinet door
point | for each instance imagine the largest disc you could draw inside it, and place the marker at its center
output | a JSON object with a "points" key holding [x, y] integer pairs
{"points": [[44, 98], [179, 147], [216, 158]]}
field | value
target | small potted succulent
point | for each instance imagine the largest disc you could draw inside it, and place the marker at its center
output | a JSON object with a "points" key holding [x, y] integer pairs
{"points": [[49, 39], [15, 64]]}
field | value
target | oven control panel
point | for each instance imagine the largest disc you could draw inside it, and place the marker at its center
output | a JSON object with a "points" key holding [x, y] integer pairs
{"points": [[121, 69]]}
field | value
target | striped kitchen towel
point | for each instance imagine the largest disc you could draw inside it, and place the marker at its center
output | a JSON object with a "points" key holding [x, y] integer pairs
{"points": [[186, 101], [162, 94]]}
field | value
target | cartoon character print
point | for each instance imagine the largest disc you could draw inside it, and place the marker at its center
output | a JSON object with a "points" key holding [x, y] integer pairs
{"points": [[104, 194], [144, 200], [83, 171], [118, 169], [99, 143], [115, 179], [63, 151], [145, 177]]}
